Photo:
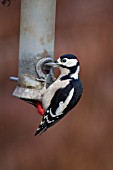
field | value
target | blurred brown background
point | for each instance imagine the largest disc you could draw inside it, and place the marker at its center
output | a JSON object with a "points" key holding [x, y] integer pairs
{"points": [[83, 140]]}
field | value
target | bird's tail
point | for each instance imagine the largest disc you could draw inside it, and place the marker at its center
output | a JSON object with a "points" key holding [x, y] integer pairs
{"points": [[42, 128]]}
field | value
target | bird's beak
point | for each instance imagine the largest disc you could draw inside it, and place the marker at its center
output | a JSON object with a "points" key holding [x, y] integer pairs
{"points": [[52, 64]]}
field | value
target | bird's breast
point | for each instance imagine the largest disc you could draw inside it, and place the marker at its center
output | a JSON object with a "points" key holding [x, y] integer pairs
{"points": [[49, 93]]}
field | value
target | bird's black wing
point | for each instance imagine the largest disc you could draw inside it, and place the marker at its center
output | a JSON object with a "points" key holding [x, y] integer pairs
{"points": [[61, 95], [76, 95], [62, 102]]}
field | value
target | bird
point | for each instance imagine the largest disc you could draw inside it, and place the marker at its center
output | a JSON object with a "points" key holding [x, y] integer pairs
{"points": [[62, 95]]}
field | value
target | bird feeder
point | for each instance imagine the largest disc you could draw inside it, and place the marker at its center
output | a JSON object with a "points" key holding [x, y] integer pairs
{"points": [[36, 47]]}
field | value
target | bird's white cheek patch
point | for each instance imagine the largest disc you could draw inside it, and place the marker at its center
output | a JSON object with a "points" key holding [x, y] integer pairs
{"points": [[63, 105]]}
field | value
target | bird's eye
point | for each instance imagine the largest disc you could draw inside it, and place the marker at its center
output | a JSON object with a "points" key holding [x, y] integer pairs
{"points": [[63, 60]]}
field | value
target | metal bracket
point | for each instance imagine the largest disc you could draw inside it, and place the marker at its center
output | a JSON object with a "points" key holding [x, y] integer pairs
{"points": [[30, 87], [44, 72]]}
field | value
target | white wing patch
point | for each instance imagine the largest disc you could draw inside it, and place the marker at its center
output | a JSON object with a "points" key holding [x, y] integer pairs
{"points": [[49, 93], [63, 105]]}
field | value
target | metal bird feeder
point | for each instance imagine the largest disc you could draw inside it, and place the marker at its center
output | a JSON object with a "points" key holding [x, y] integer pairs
{"points": [[36, 47]]}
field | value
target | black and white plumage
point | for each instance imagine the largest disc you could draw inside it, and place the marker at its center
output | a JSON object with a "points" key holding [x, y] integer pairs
{"points": [[63, 94]]}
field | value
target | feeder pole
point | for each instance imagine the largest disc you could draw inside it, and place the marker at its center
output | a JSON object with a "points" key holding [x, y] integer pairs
{"points": [[37, 28]]}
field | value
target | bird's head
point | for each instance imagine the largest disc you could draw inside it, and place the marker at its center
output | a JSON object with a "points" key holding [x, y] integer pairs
{"points": [[68, 65]]}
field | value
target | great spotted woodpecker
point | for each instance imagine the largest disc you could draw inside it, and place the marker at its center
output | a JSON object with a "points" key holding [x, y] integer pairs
{"points": [[61, 96]]}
